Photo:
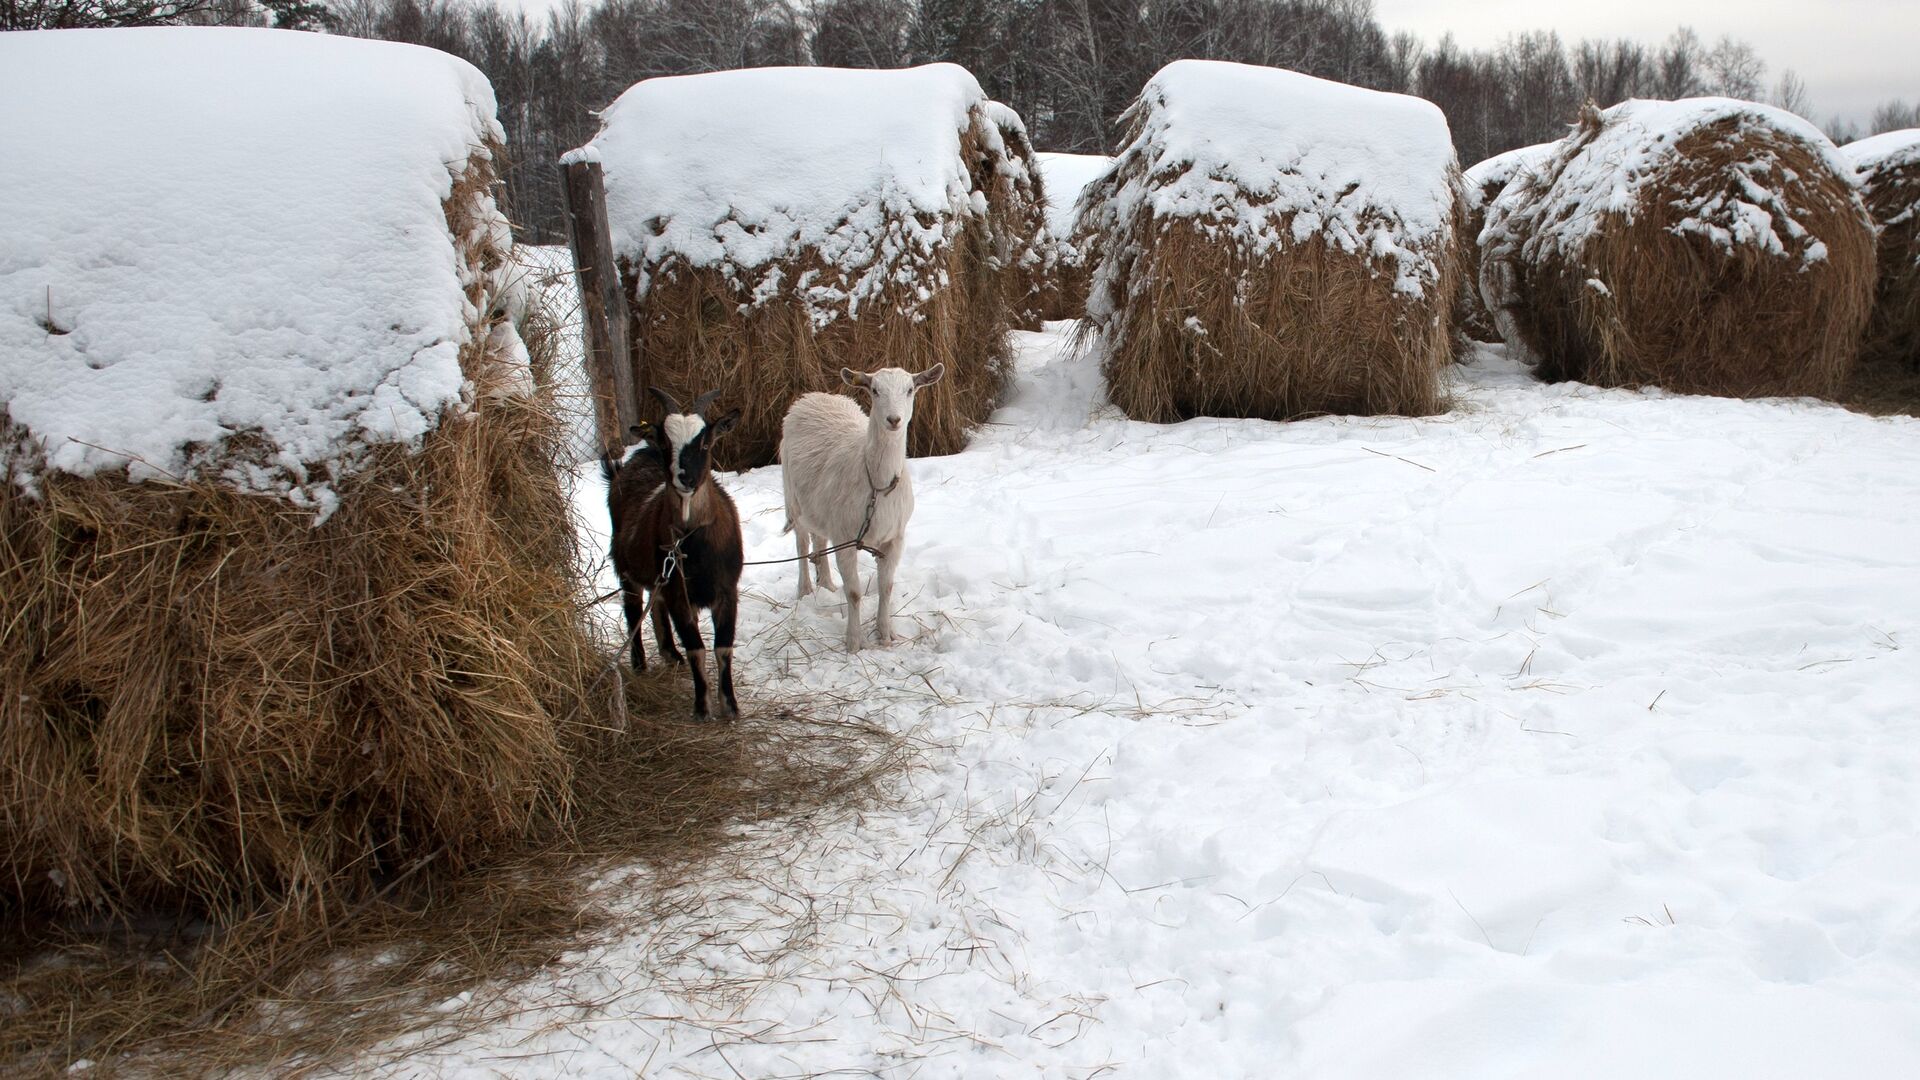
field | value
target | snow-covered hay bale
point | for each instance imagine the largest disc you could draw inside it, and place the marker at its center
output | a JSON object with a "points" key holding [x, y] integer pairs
{"points": [[1270, 244], [775, 225], [1705, 245], [1889, 171], [1486, 182], [285, 599], [1065, 177]]}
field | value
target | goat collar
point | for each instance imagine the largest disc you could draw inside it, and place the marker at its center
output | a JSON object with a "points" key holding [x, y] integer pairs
{"points": [[888, 490]]}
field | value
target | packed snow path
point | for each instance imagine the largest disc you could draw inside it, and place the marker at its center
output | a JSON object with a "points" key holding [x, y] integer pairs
{"points": [[1572, 733]]}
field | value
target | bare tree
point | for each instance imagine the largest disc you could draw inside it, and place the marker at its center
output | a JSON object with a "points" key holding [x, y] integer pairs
{"points": [[75, 14], [1734, 70], [1679, 72], [1790, 93], [860, 33], [1893, 116]]}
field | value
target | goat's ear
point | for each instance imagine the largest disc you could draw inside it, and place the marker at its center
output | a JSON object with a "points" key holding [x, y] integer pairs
{"points": [[929, 376], [856, 378], [725, 423], [666, 400], [641, 432]]}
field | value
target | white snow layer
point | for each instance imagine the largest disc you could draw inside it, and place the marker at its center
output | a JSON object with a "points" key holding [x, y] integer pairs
{"points": [[1265, 159], [741, 170], [1889, 149], [1502, 168], [1604, 178], [1064, 177], [220, 232], [1570, 734]]}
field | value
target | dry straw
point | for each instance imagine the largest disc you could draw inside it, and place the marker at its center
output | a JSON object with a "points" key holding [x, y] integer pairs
{"points": [[693, 329], [1639, 302], [1202, 326], [1892, 190], [1485, 182], [275, 794]]}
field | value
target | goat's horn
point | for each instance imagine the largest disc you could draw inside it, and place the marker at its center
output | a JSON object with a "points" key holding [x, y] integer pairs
{"points": [[666, 399], [700, 403]]}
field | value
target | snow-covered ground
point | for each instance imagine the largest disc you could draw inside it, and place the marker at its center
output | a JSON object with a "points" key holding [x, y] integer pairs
{"points": [[1569, 734]]}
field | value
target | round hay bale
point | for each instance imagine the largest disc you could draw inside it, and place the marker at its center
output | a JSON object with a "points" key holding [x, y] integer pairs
{"points": [[1484, 183], [775, 225], [312, 626], [1706, 246], [1269, 244], [1889, 171], [1067, 177]]}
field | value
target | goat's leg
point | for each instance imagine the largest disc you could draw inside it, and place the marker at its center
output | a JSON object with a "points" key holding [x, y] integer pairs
{"points": [[686, 622], [888, 561], [849, 558], [725, 606], [801, 542], [635, 608], [820, 565], [669, 654]]}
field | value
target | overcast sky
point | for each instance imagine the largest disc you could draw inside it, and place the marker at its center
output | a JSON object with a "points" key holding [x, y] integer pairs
{"points": [[1853, 54]]}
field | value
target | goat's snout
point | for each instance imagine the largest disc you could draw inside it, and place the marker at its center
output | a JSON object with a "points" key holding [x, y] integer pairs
{"points": [[893, 423]]}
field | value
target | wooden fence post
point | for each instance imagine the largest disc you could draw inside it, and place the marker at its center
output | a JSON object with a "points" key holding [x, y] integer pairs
{"points": [[603, 305]]}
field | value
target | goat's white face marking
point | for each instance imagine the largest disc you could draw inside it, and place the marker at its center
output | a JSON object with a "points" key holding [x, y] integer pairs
{"points": [[681, 429], [893, 391]]}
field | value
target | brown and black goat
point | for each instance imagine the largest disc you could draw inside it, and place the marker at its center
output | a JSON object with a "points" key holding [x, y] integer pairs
{"points": [[676, 543]]}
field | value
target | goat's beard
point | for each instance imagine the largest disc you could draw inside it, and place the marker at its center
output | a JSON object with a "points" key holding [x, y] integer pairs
{"points": [[686, 506]]}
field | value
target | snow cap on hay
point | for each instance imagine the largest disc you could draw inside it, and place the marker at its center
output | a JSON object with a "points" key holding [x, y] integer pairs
{"points": [[1067, 177], [777, 224], [1272, 244], [1484, 183], [1889, 172], [189, 265], [1704, 245], [270, 256]]}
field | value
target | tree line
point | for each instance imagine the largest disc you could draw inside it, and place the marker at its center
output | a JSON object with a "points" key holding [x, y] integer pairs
{"points": [[1069, 67]]}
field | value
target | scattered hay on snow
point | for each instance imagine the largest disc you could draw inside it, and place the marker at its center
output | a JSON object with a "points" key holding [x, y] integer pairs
{"points": [[1705, 246], [1270, 244]]}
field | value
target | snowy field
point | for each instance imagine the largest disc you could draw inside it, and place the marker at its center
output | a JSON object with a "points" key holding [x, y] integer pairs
{"points": [[1569, 734]]}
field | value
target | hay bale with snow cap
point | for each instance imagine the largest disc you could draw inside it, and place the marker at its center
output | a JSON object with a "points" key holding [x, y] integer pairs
{"points": [[1889, 172], [1067, 176], [1275, 245], [777, 224], [1485, 183], [1706, 246], [285, 600]]}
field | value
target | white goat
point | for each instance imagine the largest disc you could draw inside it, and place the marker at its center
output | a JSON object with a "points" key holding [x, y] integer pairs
{"points": [[843, 469]]}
